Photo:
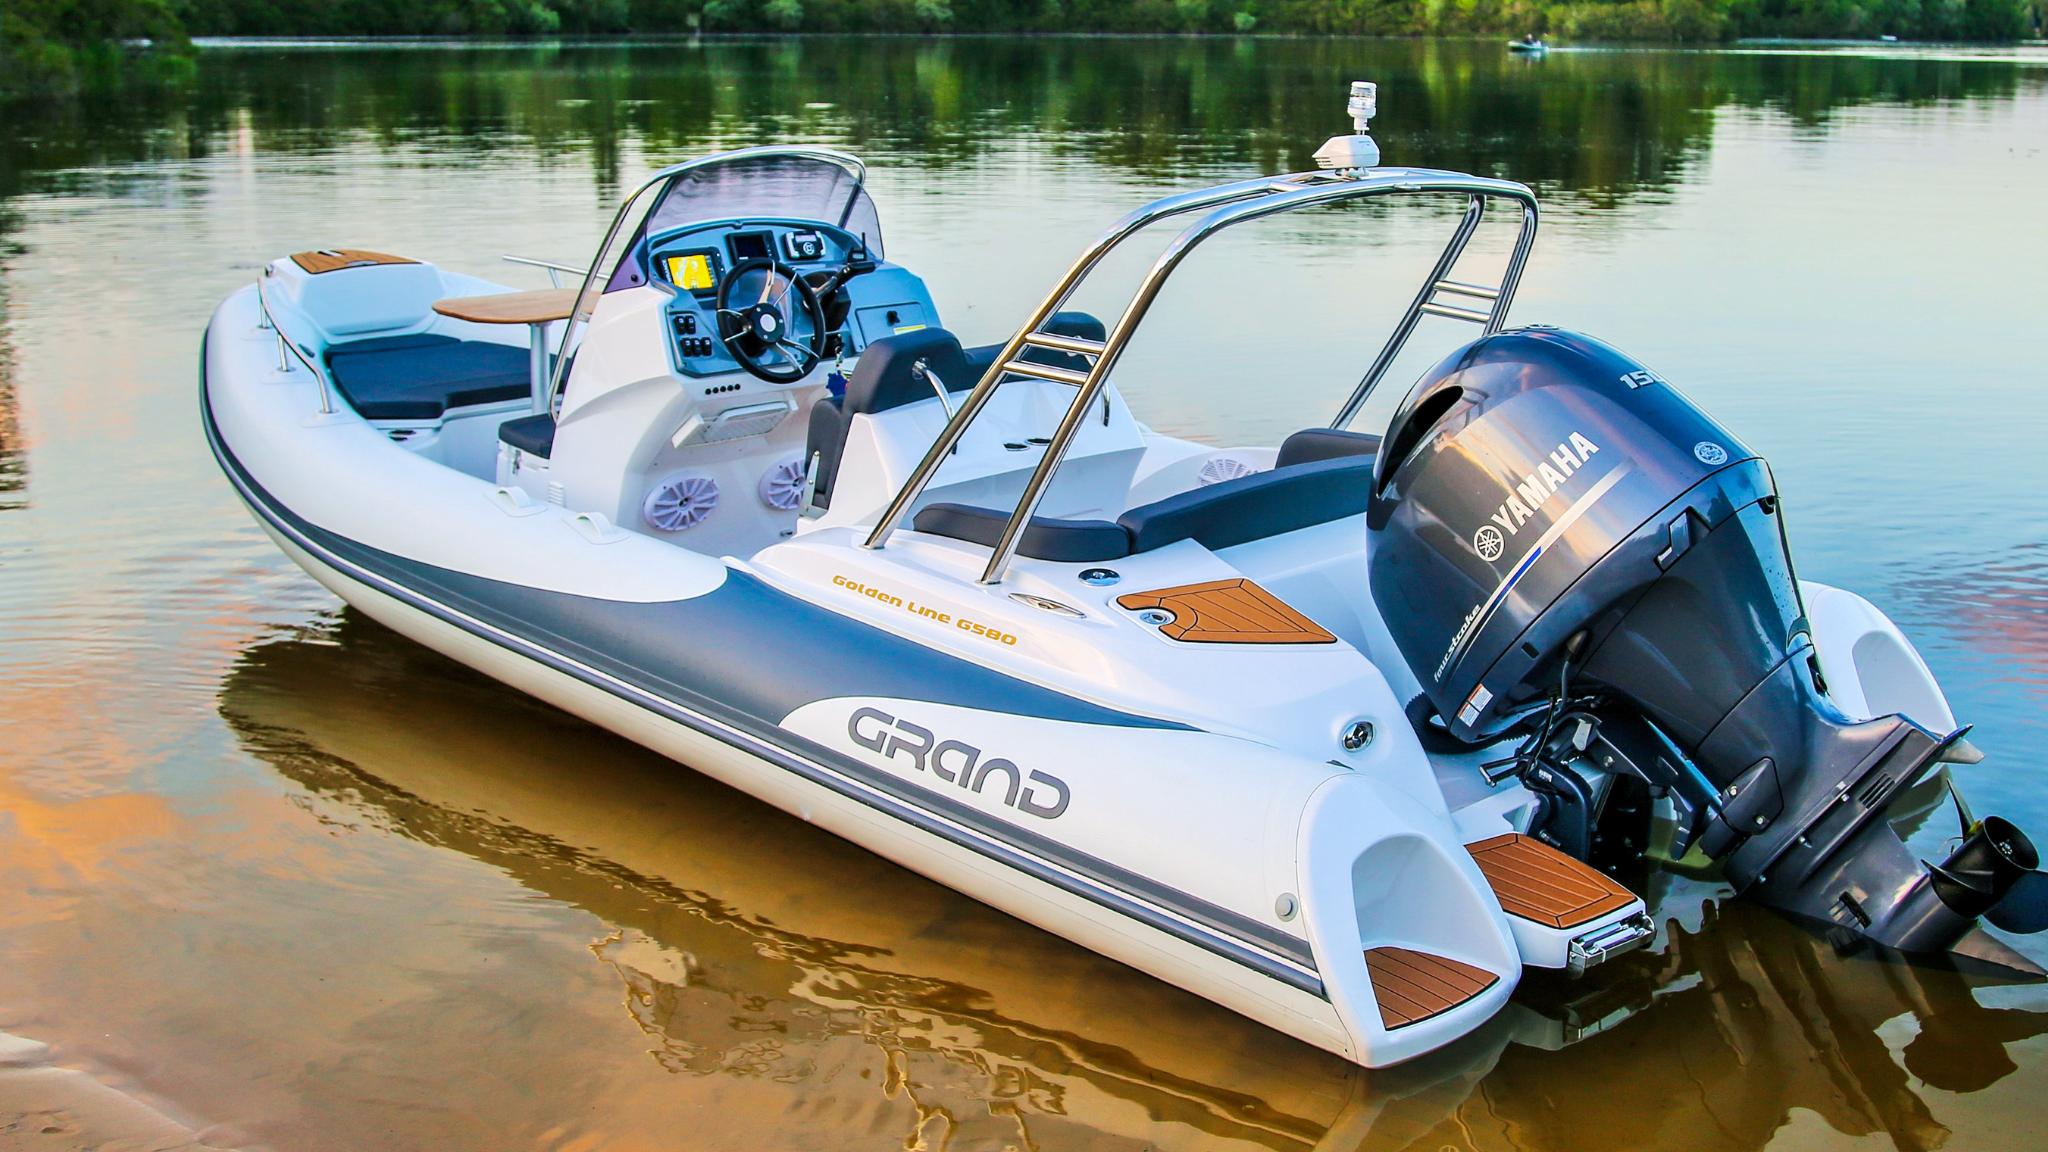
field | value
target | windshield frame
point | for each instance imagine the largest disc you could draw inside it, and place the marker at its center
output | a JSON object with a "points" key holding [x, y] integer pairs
{"points": [[639, 207], [748, 186]]}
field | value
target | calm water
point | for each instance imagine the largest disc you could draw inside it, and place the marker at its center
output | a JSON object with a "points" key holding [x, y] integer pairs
{"points": [[301, 884]]}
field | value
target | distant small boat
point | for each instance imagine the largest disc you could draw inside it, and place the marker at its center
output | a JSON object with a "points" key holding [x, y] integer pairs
{"points": [[1532, 47], [1888, 39]]}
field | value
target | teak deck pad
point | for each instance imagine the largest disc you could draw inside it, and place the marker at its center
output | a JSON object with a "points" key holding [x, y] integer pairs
{"points": [[1539, 883], [1411, 986], [536, 307], [335, 259], [1234, 611]]}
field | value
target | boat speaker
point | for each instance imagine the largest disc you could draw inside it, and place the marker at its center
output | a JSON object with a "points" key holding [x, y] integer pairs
{"points": [[1217, 469], [782, 485], [680, 501]]}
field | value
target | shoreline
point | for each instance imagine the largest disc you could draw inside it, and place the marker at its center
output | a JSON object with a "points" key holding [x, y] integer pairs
{"points": [[49, 1106], [630, 39]]}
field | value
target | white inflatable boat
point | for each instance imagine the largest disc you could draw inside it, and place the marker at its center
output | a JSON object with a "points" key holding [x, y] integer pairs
{"points": [[1344, 733]]}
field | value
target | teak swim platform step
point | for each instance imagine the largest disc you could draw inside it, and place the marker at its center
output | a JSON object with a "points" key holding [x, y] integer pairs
{"points": [[1411, 986], [1537, 882]]}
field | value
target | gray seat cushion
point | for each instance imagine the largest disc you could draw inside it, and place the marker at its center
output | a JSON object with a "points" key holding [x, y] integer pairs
{"points": [[1254, 507], [1080, 324], [1312, 444], [1218, 516], [883, 380], [1065, 541]]}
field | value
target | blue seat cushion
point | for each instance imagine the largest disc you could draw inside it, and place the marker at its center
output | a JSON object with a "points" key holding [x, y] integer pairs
{"points": [[533, 435], [1217, 516], [1253, 507], [1312, 444], [1064, 541], [883, 378], [1079, 324], [421, 376]]}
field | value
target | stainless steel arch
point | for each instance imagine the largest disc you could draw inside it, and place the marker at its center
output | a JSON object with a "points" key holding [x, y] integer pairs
{"points": [[1231, 204]]}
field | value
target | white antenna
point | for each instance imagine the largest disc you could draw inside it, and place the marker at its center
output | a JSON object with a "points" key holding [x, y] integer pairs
{"points": [[1351, 155]]}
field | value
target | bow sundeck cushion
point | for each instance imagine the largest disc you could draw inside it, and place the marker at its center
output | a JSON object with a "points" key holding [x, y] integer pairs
{"points": [[421, 376]]}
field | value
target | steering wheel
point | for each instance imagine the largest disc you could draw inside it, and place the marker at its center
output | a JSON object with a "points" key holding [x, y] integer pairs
{"points": [[771, 320]]}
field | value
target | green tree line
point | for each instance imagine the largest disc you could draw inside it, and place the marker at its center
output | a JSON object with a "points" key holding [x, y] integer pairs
{"points": [[56, 45], [1588, 19]]}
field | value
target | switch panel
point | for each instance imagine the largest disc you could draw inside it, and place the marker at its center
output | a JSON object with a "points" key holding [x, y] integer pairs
{"points": [[803, 246]]}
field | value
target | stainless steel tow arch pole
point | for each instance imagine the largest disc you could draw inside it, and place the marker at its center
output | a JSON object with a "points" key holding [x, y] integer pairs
{"points": [[1240, 202], [1062, 291], [1273, 203]]}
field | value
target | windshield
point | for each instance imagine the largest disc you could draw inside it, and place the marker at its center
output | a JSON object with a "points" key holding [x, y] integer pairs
{"points": [[771, 187]]}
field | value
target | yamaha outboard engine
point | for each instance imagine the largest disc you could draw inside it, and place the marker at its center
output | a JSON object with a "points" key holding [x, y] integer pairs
{"points": [[1564, 547]]}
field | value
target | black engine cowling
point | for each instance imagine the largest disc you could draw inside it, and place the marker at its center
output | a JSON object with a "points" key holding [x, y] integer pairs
{"points": [[1548, 512], [1539, 462]]}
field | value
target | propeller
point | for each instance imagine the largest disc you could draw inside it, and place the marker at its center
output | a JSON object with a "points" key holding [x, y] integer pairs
{"points": [[1995, 873]]}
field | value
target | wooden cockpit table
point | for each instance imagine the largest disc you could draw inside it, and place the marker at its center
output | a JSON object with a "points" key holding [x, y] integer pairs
{"points": [[535, 309]]}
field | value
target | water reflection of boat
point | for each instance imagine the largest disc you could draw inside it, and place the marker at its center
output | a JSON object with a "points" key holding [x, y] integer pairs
{"points": [[739, 963], [1752, 1020], [13, 452]]}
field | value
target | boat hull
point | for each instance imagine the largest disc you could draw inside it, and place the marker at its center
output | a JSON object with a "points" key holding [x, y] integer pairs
{"points": [[1177, 839]]}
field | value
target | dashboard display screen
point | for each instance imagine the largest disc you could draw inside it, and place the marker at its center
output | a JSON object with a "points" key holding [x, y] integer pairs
{"points": [[691, 271]]}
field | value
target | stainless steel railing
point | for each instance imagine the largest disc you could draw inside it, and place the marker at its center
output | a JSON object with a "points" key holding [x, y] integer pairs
{"points": [[286, 345], [554, 270]]}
